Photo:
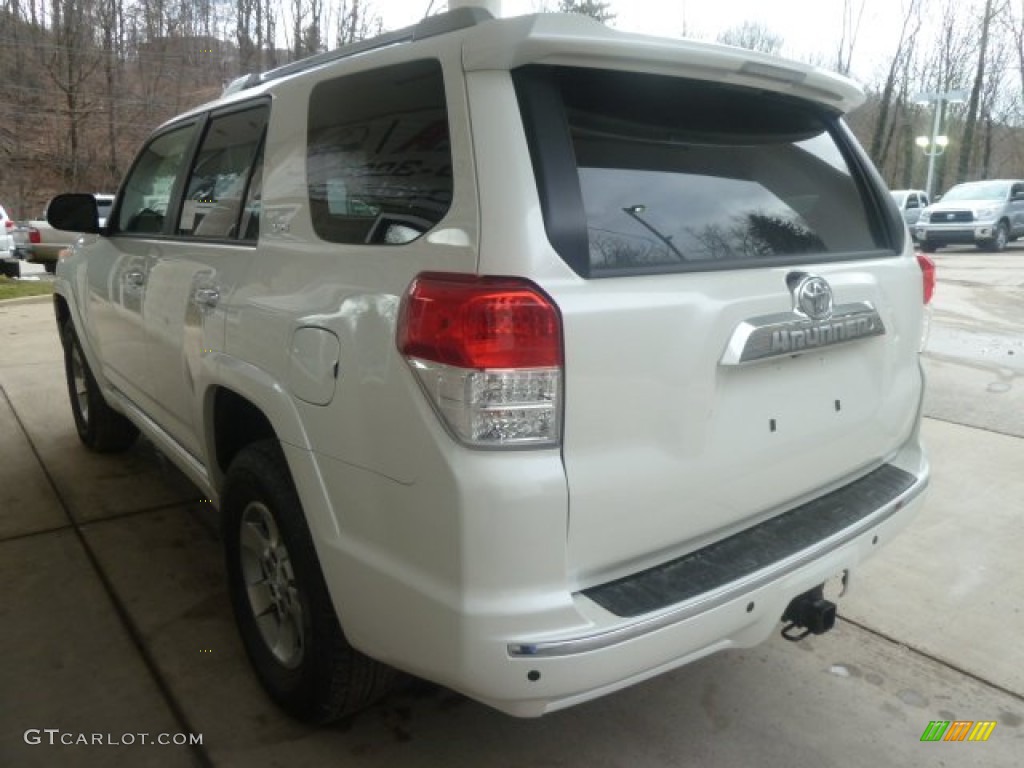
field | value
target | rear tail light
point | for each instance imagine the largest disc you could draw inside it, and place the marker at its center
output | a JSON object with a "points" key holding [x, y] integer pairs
{"points": [[488, 353], [928, 274], [33, 235], [9, 224]]}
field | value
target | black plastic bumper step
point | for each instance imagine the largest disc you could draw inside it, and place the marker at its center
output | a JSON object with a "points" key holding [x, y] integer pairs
{"points": [[751, 550]]}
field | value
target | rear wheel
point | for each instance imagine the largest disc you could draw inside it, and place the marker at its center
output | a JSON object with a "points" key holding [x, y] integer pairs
{"points": [[99, 426], [284, 613]]}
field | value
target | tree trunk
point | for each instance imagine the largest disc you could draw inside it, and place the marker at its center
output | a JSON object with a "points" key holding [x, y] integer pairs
{"points": [[970, 122]]}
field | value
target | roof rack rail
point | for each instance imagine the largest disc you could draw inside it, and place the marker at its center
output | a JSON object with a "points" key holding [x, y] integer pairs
{"points": [[439, 24]]}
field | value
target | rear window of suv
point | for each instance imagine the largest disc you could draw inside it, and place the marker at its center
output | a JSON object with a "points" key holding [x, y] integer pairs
{"points": [[379, 160], [670, 174]]}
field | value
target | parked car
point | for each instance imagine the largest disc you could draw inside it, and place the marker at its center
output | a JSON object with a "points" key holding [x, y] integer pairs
{"points": [[558, 358], [7, 225], [910, 202], [39, 243], [988, 214]]}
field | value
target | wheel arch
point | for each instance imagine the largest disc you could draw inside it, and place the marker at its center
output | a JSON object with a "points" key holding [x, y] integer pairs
{"points": [[242, 404], [237, 422]]}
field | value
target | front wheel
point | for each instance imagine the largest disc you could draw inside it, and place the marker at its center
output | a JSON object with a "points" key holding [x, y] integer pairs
{"points": [[99, 426], [280, 600], [999, 239]]}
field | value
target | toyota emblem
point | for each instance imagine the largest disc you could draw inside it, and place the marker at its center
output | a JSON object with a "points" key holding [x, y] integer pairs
{"points": [[813, 298]]}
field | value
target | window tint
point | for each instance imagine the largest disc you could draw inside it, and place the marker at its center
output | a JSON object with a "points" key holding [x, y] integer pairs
{"points": [[379, 160], [147, 192], [677, 174], [218, 184]]}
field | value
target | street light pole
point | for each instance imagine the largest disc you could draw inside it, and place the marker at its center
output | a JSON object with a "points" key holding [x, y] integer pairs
{"points": [[930, 184], [949, 97], [634, 212]]}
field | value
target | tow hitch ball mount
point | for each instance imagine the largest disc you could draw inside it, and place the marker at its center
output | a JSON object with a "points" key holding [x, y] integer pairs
{"points": [[809, 612]]}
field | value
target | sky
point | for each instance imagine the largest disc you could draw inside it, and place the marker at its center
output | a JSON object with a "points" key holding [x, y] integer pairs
{"points": [[809, 28]]}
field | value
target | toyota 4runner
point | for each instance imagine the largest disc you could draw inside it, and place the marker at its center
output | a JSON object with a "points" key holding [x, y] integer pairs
{"points": [[524, 355]]}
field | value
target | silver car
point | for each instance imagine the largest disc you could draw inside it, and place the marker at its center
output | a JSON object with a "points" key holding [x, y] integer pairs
{"points": [[988, 214]]}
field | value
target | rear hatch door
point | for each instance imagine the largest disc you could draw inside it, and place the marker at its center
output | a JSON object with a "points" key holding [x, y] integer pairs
{"points": [[745, 333]]}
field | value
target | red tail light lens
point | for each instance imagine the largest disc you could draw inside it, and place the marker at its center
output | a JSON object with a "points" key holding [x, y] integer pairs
{"points": [[928, 274], [487, 352], [480, 322], [33, 236]]}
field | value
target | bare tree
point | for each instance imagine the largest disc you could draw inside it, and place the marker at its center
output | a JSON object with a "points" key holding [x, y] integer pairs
{"points": [[753, 36], [70, 65], [356, 22], [247, 33], [110, 14], [992, 7], [881, 136], [595, 9], [853, 13]]}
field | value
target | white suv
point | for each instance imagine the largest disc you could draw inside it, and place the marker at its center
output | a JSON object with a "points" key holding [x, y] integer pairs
{"points": [[524, 355]]}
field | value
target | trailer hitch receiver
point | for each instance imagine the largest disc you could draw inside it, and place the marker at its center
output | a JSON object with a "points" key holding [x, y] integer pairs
{"points": [[809, 614]]}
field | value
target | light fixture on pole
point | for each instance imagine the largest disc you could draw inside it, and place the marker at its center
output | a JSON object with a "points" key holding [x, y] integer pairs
{"points": [[932, 145], [930, 149], [634, 211]]}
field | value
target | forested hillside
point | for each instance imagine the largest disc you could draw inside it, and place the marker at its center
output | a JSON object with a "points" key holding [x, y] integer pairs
{"points": [[82, 82]]}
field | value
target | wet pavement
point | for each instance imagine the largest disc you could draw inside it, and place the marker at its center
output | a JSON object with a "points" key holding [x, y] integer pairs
{"points": [[975, 352], [116, 619]]}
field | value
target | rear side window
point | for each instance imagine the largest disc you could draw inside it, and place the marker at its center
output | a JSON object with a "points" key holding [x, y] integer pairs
{"points": [[220, 180], [677, 175], [148, 189], [379, 160]]}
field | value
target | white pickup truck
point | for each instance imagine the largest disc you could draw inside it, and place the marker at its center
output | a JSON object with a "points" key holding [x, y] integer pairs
{"points": [[39, 243]]}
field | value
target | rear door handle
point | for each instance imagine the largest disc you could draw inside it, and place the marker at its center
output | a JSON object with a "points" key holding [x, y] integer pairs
{"points": [[207, 296], [135, 278]]}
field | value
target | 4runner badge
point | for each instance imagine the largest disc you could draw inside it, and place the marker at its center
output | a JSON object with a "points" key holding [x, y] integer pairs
{"points": [[813, 323]]}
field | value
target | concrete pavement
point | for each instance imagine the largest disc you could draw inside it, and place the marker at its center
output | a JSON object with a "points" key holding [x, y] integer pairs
{"points": [[116, 621]]}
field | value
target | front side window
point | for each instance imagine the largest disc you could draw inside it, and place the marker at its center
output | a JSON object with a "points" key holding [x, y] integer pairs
{"points": [[379, 161], [678, 175], [147, 192], [218, 186]]}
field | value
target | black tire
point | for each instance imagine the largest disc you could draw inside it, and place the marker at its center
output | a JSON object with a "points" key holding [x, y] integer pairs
{"points": [[298, 651], [100, 427], [929, 247], [50, 267], [999, 239]]}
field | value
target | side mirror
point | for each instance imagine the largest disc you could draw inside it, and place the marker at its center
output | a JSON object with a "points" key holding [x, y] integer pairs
{"points": [[74, 212]]}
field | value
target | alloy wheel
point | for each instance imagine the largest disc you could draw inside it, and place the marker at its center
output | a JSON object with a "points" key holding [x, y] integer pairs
{"points": [[270, 584]]}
